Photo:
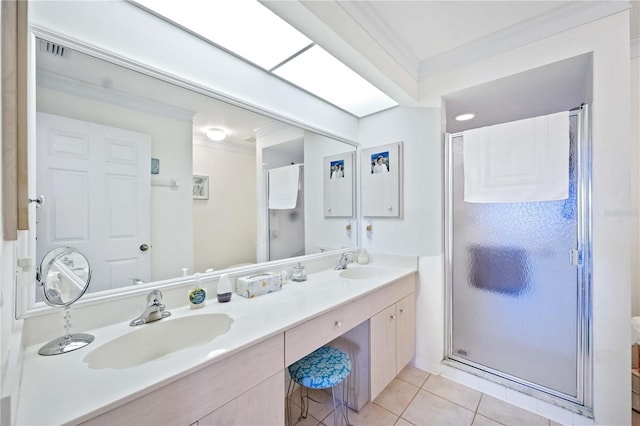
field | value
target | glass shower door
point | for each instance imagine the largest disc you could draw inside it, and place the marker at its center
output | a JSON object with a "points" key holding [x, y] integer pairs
{"points": [[515, 280]]}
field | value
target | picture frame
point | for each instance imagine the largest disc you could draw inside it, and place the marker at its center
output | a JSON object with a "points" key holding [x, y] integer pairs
{"points": [[338, 182], [381, 177], [200, 187]]}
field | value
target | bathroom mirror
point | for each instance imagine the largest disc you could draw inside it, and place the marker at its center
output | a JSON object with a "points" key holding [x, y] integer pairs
{"points": [[116, 155], [64, 276]]}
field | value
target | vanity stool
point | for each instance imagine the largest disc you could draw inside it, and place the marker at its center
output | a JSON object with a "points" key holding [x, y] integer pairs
{"points": [[324, 368]]}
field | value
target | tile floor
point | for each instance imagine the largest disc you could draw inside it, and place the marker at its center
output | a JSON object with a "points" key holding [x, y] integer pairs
{"points": [[417, 398]]}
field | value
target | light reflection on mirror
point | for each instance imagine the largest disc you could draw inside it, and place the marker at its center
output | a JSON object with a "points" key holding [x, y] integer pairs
{"points": [[116, 155]]}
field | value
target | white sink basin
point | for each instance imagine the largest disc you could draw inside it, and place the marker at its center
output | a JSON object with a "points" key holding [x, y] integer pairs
{"points": [[157, 339], [361, 272]]}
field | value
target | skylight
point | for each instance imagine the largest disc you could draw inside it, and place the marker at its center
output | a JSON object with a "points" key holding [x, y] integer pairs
{"points": [[250, 30], [318, 72]]}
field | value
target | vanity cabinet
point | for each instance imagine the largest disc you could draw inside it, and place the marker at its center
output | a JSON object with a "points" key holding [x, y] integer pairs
{"points": [[249, 386], [213, 393], [393, 342]]}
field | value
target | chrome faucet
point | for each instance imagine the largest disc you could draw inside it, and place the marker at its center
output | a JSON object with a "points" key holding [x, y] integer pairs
{"points": [[345, 259], [155, 309]]}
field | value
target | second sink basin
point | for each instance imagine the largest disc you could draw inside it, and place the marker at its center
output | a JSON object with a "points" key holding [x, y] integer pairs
{"points": [[361, 272], [157, 339]]}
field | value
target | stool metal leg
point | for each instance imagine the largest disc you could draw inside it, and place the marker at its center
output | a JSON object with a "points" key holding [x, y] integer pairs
{"points": [[290, 389], [343, 397]]}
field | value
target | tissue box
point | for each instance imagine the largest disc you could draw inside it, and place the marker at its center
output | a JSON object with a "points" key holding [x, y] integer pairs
{"points": [[259, 284]]}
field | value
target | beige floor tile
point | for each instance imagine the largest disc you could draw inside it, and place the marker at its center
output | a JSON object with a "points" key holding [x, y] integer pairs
{"points": [[320, 407], [428, 409], [480, 420], [403, 422], [508, 414], [413, 375], [454, 392], [552, 423], [371, 414], [397, 396]]}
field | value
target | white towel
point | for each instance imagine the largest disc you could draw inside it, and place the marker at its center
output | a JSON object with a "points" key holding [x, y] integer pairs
{"points": [[520, 161], [283, 187]]}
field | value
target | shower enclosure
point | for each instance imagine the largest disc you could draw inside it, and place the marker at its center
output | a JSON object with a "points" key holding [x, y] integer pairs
{"points": [[518, 299]]}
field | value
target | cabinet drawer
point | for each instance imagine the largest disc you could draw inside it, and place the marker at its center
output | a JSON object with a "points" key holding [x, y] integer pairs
{"points": [[309, 336]]}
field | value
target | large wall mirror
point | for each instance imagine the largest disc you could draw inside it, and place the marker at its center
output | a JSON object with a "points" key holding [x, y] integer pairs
{"points": [[129, 176]]}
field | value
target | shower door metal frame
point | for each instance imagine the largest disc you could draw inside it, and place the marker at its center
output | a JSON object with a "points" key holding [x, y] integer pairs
{"points": [[583, 402]]}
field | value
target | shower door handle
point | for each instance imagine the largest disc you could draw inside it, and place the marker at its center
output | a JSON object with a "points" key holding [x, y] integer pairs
{"points": [[576, 257]]}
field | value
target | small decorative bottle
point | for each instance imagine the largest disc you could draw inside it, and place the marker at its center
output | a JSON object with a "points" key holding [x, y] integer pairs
{"points": [[197, 296]]}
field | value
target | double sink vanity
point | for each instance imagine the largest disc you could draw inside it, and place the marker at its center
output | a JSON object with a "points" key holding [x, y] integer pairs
{"points": [[226, 363]]}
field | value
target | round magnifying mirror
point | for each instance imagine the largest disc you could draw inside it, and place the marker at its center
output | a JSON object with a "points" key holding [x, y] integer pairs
{"points": [[64, 275]]}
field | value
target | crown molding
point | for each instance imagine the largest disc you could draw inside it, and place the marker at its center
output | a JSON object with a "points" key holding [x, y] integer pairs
{"points": [[98, 93], [238, 147], [374, 24], [556, 21], [635, 47]]}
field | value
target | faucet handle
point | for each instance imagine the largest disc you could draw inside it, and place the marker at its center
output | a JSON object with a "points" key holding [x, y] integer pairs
{"points": [[154, 297]]}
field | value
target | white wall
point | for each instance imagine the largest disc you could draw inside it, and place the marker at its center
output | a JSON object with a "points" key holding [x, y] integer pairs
{"points": [[419, 232], [171, 219], [225, 225], [323, 232]]}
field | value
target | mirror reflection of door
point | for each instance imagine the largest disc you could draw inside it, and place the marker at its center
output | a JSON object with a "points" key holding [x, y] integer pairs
{"points": [[95, 180]]}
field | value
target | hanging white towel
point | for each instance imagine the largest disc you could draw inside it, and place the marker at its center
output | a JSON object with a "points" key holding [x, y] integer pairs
{"points": [[520, 161], [283, 187]]}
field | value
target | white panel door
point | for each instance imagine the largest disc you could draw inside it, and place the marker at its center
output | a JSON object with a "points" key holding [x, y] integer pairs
{"points": [[96, 183]]}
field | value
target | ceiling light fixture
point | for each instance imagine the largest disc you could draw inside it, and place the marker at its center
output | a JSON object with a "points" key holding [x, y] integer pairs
{"points": [[216, 134], [466, 116]]}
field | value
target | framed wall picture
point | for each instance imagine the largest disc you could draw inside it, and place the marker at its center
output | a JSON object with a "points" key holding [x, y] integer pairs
{"points": [[381, 173], [200, 187], [338, 185]]}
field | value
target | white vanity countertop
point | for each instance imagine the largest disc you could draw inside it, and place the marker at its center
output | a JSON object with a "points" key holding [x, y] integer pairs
{"points": [[63, 389]]}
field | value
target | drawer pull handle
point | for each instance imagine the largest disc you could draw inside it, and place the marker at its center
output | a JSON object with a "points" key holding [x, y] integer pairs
{"points": [[338, 324], [402, 311], [393, 317]]}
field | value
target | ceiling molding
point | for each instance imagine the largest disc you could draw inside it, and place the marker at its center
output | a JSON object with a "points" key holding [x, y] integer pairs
{"points": [[239, 147], [371, 21], [635, 47], [49, 80], [562, 19], [335, 30]]}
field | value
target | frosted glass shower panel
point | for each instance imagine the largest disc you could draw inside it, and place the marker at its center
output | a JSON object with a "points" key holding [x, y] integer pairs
{"points": [[514, 290], [338, 185], [381, 171]]}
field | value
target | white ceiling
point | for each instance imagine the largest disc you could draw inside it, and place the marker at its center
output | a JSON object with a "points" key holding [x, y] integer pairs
{"points": [[398, 44], [430, 28]]}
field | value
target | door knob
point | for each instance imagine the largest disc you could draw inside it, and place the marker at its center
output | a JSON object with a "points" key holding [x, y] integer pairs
{"points": [[144, 247]]}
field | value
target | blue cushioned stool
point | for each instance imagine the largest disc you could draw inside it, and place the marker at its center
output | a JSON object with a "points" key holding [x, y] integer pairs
{"points": [[324, 368]]}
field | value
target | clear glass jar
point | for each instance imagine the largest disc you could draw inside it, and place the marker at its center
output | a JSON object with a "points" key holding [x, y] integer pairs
{"points": [[362, 258]]}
